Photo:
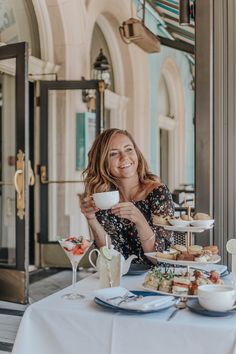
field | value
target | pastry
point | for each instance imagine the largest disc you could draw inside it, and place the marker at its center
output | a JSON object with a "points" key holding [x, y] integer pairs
{"points": [[202, 216], [207, 254], [171, 254], [214, 249], [186, 217], [195, 250], [180, 248], [215, 277], [185, 256], [182, 284], [202, 259]]}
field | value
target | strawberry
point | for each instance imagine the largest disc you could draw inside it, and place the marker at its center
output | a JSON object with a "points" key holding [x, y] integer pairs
{"points": [[77, 250]]}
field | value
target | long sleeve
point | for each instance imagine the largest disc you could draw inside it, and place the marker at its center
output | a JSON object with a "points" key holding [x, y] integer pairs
{"points": [[161, 204]]}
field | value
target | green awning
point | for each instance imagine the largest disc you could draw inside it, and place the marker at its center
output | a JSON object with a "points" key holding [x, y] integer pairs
{"points": [[162, 18]]}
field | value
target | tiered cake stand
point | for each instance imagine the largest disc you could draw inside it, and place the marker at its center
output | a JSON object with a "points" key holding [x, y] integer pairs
{"points": [[188, 230]]}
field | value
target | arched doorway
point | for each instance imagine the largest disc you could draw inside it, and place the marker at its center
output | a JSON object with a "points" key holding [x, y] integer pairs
{"points": [[171, 127]]}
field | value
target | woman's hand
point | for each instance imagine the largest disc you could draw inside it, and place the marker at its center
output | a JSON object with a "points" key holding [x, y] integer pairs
{"points": [[88, 208], [128, 210]]}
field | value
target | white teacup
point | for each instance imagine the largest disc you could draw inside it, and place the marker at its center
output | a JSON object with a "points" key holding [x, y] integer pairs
{"points": [[106, 200], [216, 297]]}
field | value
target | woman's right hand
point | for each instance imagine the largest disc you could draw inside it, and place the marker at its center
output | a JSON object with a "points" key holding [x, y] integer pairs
{"points": [[88, 208]]}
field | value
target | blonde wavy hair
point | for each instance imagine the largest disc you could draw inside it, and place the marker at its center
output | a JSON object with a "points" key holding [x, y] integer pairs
{"points": [[97, 176]]}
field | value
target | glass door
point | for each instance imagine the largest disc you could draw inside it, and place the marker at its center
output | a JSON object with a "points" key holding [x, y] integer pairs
{"points": [[71, 114], [14, 152]]}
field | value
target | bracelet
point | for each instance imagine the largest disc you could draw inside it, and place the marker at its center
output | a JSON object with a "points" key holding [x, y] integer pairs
{"points": [[147, 239]]}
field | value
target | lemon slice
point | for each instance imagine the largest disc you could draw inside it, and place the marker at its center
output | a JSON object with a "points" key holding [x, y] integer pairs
{"points": [[106, 252]]}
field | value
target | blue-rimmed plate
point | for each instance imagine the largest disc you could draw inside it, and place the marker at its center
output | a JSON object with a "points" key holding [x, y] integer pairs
{"points": [[136, 292], [195, 307]]}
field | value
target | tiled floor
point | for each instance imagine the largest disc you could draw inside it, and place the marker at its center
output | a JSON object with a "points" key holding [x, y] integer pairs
{"points": [[11, 314]]}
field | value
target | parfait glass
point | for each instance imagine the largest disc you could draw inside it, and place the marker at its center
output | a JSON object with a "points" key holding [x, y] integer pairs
{"points": [[75, 249]]}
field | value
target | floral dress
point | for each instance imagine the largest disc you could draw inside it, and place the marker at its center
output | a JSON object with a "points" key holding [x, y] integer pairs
{"points": [[123, 233]]}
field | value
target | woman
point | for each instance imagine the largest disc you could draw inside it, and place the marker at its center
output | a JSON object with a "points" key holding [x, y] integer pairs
{"points": [[115, 162]]}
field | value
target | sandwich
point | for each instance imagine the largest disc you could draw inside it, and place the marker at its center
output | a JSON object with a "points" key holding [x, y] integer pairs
{"points": [[181, 285]]}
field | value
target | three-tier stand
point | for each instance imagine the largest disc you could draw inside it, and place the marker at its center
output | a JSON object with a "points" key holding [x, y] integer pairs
{"points": [[189, 231]]}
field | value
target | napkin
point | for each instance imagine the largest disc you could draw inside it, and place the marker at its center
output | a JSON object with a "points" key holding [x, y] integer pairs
{"points": [[220, 268], [113, 296]]}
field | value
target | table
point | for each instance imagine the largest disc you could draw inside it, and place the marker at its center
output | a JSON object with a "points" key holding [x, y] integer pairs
{"points": [[58, 326]]}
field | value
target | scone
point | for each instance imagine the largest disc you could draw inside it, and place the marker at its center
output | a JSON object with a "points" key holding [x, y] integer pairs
{"points": [[214, 249], [180, 248], [171, 254], [186, 217], [202, 216], [195, 250]]}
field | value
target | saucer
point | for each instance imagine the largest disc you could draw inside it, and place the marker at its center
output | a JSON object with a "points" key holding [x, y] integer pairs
{"points": [[195, 307]]}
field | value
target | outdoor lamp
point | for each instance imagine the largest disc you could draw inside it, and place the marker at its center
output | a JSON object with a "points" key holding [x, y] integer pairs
{"points": [[100, 72], [184, 12], [101, 69]]}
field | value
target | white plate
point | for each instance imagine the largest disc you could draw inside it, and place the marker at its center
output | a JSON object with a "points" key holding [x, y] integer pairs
{"points": [[154, 260], [165, 293], [179, 222], [205, 268], [185, 228], [202, 223]]}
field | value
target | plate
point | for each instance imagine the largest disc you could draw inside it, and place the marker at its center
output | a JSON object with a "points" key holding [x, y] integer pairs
{"points": [[202, 223], [179, 223], [184, 228], [154, 259], [138, 269], [165, 293], [195, 307], [136, 292]]}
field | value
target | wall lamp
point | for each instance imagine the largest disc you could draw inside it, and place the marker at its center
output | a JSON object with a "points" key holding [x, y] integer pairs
{"points": [[101, 69], [101, 72]]}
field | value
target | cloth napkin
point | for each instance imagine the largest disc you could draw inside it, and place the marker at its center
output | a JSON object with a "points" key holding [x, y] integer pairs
{"points": [[114, 295], [220, 268]]}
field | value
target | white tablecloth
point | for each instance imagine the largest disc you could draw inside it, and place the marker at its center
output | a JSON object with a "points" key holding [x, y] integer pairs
{"points": [[58, 326]]}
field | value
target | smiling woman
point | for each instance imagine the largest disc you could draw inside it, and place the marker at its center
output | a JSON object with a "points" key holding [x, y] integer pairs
{"points": [[122, 158], [116, 163]]}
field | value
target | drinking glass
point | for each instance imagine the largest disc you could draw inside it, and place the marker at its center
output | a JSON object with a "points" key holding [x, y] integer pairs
{"points": [[75, 249]]}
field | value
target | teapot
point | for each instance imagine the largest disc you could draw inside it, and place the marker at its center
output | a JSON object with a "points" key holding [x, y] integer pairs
{"points": [[113, 254]]}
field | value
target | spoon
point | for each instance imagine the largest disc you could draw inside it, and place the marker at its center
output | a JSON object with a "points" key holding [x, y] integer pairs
{"points": [[180, 304]]}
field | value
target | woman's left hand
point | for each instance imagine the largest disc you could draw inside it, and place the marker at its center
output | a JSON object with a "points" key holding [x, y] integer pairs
{"points": [[127, 210]]}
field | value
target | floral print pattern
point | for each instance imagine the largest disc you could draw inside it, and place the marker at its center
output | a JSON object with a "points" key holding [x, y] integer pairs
{"points": [[123, 233]]}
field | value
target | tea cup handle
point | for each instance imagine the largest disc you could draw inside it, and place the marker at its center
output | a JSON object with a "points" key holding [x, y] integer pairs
{"points": [[90, 257]]}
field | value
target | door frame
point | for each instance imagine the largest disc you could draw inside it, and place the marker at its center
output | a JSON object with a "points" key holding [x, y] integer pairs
{"points": [[14, 280], [45, 87]]}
